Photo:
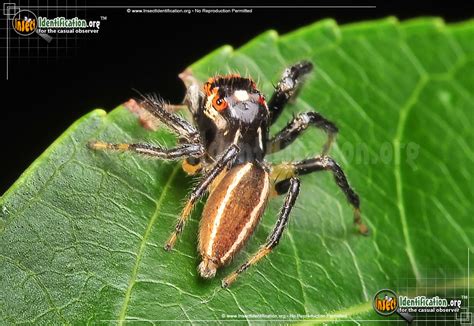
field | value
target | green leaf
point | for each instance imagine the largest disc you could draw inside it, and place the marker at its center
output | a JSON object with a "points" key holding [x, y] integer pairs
{"points": [[82, 231]]}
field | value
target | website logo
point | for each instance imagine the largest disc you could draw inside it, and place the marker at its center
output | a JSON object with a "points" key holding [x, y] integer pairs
{"points": [[24, 22], [385, 302]]}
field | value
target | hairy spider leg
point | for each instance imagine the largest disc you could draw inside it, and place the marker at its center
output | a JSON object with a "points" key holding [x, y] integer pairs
{"points": [[297, 126], [274, 237], [185, 150], [199, 190], [183, 129], [282, 174], [148, 120], [287, 87]]}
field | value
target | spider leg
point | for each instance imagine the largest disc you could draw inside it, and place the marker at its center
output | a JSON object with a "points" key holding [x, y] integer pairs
{"points": [[282, 173], [147, 120], [274, 237], [297, 126], [184, 150], [287, 87], [199, 190], [157, 108]]}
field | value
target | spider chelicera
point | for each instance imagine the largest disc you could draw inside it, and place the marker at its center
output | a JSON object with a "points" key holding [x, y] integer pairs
{"points": [[227, 143]]}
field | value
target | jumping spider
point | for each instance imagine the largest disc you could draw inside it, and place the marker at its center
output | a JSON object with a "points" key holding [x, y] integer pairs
{"points": [[227, 143]]}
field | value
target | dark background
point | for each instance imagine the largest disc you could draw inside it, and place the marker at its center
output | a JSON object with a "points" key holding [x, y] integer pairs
{"points": [[145, 52]]}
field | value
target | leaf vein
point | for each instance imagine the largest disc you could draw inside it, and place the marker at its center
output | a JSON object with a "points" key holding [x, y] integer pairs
{"points": [[142, 247]]}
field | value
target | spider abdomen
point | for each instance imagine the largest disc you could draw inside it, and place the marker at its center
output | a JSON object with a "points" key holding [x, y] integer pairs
{"points": [[231, 214]]}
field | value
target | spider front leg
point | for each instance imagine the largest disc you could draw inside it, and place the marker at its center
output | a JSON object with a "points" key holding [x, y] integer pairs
{"points": [[199, 190], [185, 130], [283, 173], [185, 150], [152, 110], [188, 135], [274, 237], [287, 87], [297, 126], [147, 120]]}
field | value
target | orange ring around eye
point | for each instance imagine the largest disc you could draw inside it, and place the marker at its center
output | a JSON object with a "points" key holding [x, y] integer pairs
{"points": [[219, 103]]}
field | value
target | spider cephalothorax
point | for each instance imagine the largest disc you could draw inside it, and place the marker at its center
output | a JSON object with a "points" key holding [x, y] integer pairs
{"points": [[233, 111], [236, 96], [227, 143]]}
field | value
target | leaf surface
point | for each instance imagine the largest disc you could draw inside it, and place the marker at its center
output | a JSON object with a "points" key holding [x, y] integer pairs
{"points": [[81, 232]]}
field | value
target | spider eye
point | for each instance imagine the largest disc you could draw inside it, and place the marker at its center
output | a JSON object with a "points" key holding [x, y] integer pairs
{"points": [[219, 104]]}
